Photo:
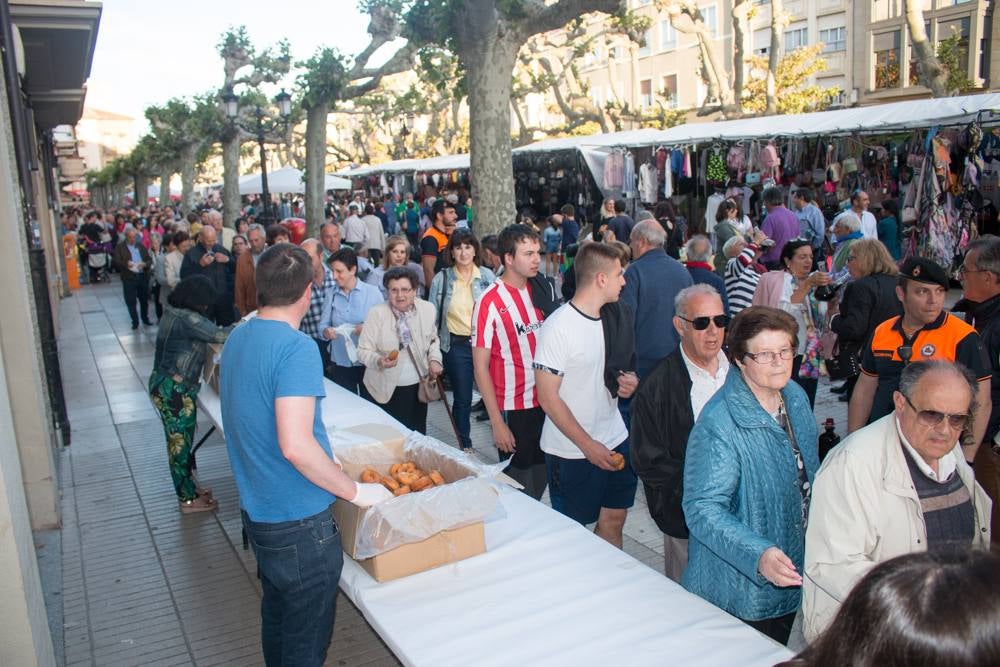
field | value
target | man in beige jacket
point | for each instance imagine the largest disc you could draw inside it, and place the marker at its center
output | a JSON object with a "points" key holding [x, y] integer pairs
{"points": [[897, 486]]}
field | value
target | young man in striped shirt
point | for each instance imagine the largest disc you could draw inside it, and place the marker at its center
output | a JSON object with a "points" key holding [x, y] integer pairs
{"points": [[503, 347]]}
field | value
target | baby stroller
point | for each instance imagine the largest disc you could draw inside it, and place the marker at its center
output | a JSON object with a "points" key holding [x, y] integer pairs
{"points": [[99, 259]]}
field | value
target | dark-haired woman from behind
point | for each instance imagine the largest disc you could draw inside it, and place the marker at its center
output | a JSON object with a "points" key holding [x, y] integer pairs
{"points": [[673, 225], [175, 381], [933, 609]]}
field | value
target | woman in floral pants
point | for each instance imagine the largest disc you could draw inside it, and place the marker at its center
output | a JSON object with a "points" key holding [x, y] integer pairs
{"points": [[174, 383]]}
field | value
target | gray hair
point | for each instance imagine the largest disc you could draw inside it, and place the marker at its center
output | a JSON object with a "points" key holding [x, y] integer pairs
{"points": [[988, 259], [651, 232], [688, 293], [699, 248], [733, 241], [256, 227], [155, 236], [850, 221], [644, 215], [213, 214], [912, 373]]}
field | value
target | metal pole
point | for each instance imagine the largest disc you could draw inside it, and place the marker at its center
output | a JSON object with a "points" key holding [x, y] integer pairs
{"points": [[263, 170]]}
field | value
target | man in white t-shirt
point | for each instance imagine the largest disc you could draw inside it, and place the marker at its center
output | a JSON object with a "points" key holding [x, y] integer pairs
{"points": [[859, 206], [584, 436]]}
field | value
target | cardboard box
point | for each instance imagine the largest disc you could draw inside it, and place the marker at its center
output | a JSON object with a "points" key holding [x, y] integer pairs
{"points": [[447, 546], [210, 371]]}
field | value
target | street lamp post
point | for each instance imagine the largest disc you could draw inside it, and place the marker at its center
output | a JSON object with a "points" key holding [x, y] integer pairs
{"points": [[261, 128]]}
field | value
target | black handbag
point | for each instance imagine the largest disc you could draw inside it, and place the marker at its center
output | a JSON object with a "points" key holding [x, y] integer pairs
{"points": [[845, 363]]}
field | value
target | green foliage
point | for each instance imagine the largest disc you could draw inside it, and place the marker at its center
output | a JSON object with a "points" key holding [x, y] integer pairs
{"points": [[323, 79], [953, 54], [793, 95]]}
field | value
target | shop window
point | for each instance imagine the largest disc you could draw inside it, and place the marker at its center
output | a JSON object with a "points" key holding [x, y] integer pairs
{"points": [[646, 93], [834, 39], [668, 36], [796, 38], [669, 90], [885, 48]]}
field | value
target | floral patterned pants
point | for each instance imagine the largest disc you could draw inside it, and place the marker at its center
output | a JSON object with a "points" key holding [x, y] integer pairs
{"points": [[176, 403]]}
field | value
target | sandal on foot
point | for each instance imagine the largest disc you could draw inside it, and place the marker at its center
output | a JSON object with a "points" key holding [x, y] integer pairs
{"points": [[203, 493], [199, 504]]}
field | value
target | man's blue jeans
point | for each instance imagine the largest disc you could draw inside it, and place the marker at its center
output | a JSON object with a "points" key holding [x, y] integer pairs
{"points": [[458, 366], [299, 564]]}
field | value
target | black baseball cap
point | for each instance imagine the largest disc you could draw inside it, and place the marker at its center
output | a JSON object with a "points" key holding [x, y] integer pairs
{"points": [[923, 270]]}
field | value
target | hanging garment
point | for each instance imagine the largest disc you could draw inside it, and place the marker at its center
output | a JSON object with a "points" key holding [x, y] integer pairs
{"points": [[661, 159], [687, 172], [647, 183], [711, 208], [668, 175], [629, 188], [613, 167]]}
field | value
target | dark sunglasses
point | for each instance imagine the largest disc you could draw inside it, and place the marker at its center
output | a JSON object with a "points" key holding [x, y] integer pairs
{"points": [[701, 323], [933, 417], [905, 352]]}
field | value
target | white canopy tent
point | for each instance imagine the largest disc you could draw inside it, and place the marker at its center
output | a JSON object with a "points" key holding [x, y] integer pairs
{"points": [[288, 180]]}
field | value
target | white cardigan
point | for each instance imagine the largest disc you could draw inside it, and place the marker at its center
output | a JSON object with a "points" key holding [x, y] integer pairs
{"points": [[378, 338]]}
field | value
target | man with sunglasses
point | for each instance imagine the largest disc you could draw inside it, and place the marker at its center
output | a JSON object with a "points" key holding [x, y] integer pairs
{"points": [[665, 408], [898, 486], [924, 332]]}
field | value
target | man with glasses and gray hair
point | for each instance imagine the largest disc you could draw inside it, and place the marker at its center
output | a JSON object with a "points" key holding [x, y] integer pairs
{"points": [[898, 486], [666, 406]]}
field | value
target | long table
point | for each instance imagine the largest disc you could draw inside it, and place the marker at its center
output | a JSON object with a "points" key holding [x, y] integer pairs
{"points": [[546, 592]]}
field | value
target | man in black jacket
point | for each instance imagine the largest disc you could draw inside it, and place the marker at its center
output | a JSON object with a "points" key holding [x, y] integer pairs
{"points": [[665, 408], [132, 261], [208, 258], [980, 276]]}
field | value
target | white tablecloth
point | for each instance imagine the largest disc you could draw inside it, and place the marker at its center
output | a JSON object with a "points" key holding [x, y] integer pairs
{"points": [[546, 592]]}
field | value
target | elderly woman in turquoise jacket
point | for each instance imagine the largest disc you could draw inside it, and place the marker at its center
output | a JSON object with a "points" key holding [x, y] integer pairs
{"points": [[751, 458]]}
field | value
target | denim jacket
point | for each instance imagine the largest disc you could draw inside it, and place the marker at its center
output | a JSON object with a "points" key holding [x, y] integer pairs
{"points": [[741, 497], [486, 278], [180, 339]]}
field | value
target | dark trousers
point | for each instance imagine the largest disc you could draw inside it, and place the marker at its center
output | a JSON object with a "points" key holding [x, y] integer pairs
{"points": [[350, 378], [136, 289], [299, 564], [407, 408], [154, 293], [458, 368], [778, 628], [809, 384]]}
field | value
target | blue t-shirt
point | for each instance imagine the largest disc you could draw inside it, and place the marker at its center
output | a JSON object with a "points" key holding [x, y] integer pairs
{"points": [[264, 360]]}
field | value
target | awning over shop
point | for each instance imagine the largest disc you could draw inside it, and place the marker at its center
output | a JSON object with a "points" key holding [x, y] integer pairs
{"points": [[57, 42]]}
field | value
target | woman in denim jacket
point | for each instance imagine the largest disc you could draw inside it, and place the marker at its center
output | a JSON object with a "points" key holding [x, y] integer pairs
{"points": [[454, 292], [175, 381], [748, 474]]}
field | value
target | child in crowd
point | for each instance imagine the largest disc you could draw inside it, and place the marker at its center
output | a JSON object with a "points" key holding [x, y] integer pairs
{"points": [[551, 241]]}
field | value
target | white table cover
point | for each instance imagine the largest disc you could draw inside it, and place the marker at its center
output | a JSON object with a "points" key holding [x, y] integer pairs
{"points": [[546, 592]]}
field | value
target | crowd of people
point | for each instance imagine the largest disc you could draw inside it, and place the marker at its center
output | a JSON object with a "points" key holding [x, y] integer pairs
{"points": [[684, 361]]}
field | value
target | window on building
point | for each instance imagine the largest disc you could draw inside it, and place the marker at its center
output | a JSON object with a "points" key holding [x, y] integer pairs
{"points": [[646, 93], [834, 39], [959, 27], [669, 90], [762, 42], [647, 43], [708, 15], [618, 53], [913, 74], [668, 36], [796, 38], [595, 96], [885, 48]]}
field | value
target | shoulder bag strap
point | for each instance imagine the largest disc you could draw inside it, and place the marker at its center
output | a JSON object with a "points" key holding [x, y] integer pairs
{"points": [[444, 292]]}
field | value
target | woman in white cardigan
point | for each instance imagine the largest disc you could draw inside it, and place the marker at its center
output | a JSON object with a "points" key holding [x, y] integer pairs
{"points": [[398, 346]]}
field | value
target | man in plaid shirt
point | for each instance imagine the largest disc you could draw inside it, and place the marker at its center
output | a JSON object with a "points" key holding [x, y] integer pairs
{"points": [[322, 287]]}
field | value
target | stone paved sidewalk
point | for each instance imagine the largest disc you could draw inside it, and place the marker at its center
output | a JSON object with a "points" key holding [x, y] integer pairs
{"points": [[137, 583]]}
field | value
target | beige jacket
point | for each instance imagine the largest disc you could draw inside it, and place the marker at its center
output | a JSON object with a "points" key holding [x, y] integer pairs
{"points": [[865, 511], [378, 338]]}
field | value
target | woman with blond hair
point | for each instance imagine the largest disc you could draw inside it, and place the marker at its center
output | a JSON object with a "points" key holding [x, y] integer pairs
{"points": [[397, 253], [868, 300]]}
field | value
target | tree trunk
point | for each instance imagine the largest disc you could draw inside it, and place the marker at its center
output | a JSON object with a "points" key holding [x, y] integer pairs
{"points": [[315, 167], [488, 76], [741, 10], [188, 171], [141, 190], [231, 179], [929, 69], [165, 187], [774, 56]]}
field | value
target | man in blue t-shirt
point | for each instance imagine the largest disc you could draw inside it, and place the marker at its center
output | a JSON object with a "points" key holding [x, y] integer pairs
{"points": [[271, 388]]}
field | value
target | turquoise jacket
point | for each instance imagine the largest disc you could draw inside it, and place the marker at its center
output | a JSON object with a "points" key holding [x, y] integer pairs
{"points": [[741, 497]]}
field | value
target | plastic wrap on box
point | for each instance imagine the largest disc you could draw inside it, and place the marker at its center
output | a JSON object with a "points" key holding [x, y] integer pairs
{"points": [[470, 494]]}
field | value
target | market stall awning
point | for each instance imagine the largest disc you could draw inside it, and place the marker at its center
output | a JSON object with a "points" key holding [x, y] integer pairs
{"points": [[57, 42]]}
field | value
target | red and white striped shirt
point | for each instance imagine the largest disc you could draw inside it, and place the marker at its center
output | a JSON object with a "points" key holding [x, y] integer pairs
{"points": [[505, 324]]}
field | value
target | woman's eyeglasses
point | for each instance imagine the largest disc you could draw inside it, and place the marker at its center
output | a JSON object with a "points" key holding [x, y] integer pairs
{"points": [[701, 323], [933, 417], [768, 356]]}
